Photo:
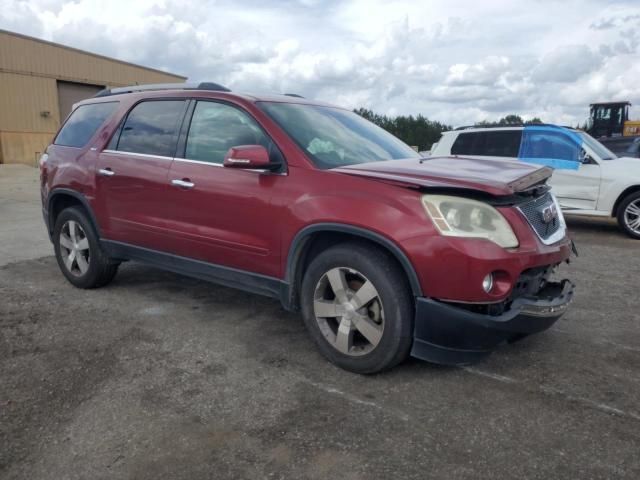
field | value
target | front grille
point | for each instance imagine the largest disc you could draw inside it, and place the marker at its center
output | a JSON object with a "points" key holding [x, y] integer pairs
{"points": [[534, 211]]}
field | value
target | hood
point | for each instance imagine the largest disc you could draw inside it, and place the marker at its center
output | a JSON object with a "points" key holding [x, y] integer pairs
{"points": [[625, 169], [496, 177], [626, 160]]}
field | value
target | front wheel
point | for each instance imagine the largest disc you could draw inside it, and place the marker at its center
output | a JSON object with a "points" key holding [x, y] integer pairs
{"points": [[358, 308], [629, 215]]}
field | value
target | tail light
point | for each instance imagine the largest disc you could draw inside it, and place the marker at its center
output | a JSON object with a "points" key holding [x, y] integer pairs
{"points": [[43, 168]]}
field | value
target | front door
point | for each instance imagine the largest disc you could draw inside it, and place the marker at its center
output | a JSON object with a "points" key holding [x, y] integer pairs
{"points": [[577, 189], [223, 215], [132, 175]]}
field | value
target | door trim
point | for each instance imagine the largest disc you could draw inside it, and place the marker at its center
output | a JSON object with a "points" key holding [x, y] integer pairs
{"points": [[134, 154], [226, 276]]}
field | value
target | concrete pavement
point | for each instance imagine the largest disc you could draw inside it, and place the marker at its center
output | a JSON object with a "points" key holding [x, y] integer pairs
{"points": [[22, 232]]}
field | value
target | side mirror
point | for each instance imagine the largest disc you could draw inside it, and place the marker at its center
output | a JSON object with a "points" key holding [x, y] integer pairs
{"points": [[585, 158], [254, 157]]}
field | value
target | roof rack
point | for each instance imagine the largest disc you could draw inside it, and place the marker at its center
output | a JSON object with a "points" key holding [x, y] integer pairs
{"points": [[162, 86], [471, 127]]}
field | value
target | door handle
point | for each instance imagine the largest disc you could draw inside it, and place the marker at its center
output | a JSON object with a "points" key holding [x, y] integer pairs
{"points": [[106, 172], [184, 183]]}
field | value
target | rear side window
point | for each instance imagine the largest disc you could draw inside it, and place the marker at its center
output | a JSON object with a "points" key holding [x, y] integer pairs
{"points": [[83, 124], [152, 128], [501, 143]]}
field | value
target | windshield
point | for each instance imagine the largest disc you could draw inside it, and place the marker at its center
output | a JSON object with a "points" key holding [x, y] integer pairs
{"points": [[333, 137], [599, 149]]}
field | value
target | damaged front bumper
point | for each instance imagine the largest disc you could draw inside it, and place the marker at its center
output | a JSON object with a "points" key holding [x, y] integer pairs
{"points": [[452, 334]]}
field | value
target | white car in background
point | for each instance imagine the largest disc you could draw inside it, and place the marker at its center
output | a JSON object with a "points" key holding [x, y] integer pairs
{"points": [[588, 178]]}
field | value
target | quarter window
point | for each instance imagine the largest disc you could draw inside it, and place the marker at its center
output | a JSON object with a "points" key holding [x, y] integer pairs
{"points": [[83, 124], [216, 127], [152, 128]]}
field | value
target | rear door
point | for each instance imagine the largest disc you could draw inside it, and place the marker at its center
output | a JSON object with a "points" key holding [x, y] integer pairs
{"points": [[131, 174], [223, 215]]}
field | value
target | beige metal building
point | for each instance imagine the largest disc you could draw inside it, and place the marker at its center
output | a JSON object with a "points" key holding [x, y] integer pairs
{"points": [[40, 81]]}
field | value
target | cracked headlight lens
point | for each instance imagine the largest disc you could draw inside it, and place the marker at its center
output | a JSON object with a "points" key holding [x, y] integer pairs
{"points": [[463, 217]]}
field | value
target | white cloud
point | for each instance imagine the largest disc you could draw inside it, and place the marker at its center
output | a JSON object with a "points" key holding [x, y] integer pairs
{"points": [[487, 72], [566, 64], [457, 62]]}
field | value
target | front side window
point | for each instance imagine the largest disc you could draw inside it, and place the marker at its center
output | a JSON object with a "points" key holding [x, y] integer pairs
{"points": [[152, 128], [333, 137], [552, 148], [83, 123], [216, 127]]}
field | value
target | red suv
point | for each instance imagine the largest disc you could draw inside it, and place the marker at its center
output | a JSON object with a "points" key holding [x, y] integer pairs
{"points": [[385, 253]]}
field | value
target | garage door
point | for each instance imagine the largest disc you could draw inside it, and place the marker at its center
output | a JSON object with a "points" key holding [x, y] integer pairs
{"points": [[70, 93]]}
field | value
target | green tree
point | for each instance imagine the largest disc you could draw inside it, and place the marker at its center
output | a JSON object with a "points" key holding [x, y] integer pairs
{"points": [[417, 131], [509, 120]]}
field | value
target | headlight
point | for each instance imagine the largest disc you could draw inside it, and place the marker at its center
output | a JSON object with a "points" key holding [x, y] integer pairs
{"points": [[462, 217]]}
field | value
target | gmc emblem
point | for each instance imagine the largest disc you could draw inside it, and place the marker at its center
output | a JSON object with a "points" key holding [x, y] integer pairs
{"points": [[549, 213]]}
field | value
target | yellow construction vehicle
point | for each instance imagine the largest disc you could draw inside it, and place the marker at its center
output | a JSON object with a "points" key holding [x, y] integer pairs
{"points": [[609, 122]]}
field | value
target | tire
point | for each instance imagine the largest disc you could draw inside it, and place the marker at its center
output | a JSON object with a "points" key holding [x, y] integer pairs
{"points": [[74, 236], [629, 215], [386, 319]]}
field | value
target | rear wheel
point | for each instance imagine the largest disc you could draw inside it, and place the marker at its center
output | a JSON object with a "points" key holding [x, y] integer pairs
{"points": [[358, 308], [629, 215], [78, 252]]}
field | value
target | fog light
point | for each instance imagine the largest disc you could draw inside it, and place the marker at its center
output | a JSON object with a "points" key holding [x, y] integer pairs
{"points": [[487, 283]]}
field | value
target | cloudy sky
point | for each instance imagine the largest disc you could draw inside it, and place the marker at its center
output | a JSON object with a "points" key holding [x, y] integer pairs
{"points": [[454, 61]]}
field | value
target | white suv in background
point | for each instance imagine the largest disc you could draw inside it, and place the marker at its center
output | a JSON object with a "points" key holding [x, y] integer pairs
{"points": [[588, 178]]}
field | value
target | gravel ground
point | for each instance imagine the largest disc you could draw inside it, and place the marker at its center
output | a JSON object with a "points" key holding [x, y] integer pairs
{"points": [[161, 376]]}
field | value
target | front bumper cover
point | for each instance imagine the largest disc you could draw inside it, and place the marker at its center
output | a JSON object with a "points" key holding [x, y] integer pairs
{"points": [[452, 335]]}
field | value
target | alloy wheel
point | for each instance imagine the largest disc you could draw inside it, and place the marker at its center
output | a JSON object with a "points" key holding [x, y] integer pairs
{"points": [[349, 311], [632, 216], [74, 248]]}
